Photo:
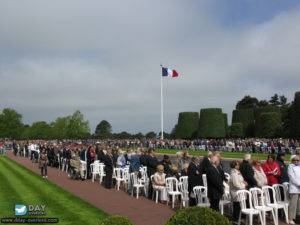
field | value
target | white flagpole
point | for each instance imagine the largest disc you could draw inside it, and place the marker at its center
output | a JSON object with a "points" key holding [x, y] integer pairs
{"points": [[161, 106]]}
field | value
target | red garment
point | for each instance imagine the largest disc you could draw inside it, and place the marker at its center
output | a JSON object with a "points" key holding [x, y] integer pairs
{"points": [[268, 167], [92, 154]]}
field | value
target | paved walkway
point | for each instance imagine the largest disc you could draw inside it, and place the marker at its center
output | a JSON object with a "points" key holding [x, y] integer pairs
{"points": [[140, 212]]}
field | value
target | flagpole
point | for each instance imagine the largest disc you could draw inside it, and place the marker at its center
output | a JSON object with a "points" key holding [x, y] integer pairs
{"points": [[161, 106]]}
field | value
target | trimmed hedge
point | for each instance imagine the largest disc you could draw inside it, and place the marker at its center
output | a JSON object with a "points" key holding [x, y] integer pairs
{"points": [[187, 125], [296, 115], [258, 122], [270, 124], [211, 123], [236, 130], [197, 216], [116, 220], [226, 124], [246, 117]]}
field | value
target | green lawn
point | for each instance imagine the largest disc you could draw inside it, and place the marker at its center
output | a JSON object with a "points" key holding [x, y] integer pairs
{"points": [[19, 185]]}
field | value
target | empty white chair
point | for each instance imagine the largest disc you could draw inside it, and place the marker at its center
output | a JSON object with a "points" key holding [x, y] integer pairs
{"points": [[249, 212], [102, 172], [172, 189], [258, 203], [95, 170], [136, 184], [281, 199], [119, 176], [275, 205], [227, 175], [201, 196], [183, 187], [83, 167], [225, 201]]}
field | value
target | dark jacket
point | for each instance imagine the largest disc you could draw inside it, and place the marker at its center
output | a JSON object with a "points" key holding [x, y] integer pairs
{"points": [[143, 159], [248, 174], [221, 172], [166, 165], [109, 164], [195, 177], [152, 163], [205, 164], [284, 177], [215, 188]]}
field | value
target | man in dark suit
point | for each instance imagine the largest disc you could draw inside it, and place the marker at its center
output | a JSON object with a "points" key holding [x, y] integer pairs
{"points": [[152, 163], [206, 162], [195, 178], [247, 171], [214, 184], [109, 166]]}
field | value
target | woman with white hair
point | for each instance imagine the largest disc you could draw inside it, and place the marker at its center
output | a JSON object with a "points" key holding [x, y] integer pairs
{"points": [[121, 161], [160, 183], [294, 188]]}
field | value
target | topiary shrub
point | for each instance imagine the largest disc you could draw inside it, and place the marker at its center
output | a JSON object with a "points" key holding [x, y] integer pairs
{"points": [[296, 116], [116, 220], [198, 216], [211, 123], [246, 117], [187, 125], [236, 130], [258, 122], [226, 125], [270, 124]]}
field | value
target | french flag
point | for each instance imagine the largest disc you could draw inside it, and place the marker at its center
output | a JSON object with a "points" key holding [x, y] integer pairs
{"points": [[169, 72]]}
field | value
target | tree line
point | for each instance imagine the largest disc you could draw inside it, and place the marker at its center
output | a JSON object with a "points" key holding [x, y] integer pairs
{"points": [[250, 118]]}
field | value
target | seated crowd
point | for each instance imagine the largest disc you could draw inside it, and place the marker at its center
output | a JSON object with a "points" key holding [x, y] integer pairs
{"points": [[208, 173]]}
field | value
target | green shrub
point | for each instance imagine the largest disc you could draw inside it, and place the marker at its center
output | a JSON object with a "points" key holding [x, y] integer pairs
{"points": [[211, 123], [236, 130], [198, 216], [226, 124], [270, 124], [258, 122], [187, 125], [296, 116], [246, 117], [116, 220]]}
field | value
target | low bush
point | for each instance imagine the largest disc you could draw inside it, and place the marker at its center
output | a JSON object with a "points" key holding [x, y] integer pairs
{"points": [[116, 220]]}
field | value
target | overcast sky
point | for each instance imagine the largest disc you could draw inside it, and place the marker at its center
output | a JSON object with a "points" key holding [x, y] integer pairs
{"points": [[103, 57]]}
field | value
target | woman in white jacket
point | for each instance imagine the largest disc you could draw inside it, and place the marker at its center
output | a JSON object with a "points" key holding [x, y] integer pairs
{"points": [[236, 183], [294, 188], [259, 174]]}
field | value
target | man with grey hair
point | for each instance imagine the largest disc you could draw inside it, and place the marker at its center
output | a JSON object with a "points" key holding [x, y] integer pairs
{"points": [[215, 188], [247, 171], [206, 162]]}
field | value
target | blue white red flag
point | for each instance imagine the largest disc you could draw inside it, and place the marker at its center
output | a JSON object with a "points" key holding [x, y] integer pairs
{"points": [[166, 72]]}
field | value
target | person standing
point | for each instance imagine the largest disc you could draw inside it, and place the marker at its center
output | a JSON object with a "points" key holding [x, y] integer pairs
{"points": [[294, 188], [194, 178], [284, 177], [272, 170], [236, 183], [215, 188], [206, 162], [90, 156], [134, 167], [109, 167], [43, 163], [259, 173], [152, 163], [247, 171]]}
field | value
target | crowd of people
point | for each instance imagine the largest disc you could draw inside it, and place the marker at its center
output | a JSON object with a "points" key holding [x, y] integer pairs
{"points": [[248, 174]]}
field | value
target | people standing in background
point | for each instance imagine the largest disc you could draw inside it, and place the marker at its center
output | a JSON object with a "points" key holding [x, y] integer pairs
{"points": [[43, 163], [109, 166], [152, 163], [294, 188], [90, 156]]}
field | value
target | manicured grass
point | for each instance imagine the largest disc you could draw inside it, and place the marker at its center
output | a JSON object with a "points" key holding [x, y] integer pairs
{"points": [[19, 185]]}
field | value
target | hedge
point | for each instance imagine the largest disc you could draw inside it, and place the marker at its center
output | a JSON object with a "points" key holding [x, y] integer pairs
{"points": [[236, 130], [270, 124], [296, 116], [187, 125], [197, 216], [226, 124], [258, 122], [211, 123], [116, 220], [246, 117]]}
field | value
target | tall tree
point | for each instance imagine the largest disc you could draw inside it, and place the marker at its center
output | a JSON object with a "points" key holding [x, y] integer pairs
{"points": [[40, 130], [274, 100], [247, 102], [103, 130], [151, 135], [59, 127], [11, 125], [77, 127]]}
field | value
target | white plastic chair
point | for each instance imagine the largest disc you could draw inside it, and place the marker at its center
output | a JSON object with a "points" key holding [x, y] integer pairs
{"points": [[172, 189], [242, 196], [83, 166], [136, 184], [119, 176], [225, 201], [155, 190], [102, 172], [227, 175], [201, 196], [258, 203], [95, 170], [275, 205], [204, 180], [183, 187], [281, 199]]}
